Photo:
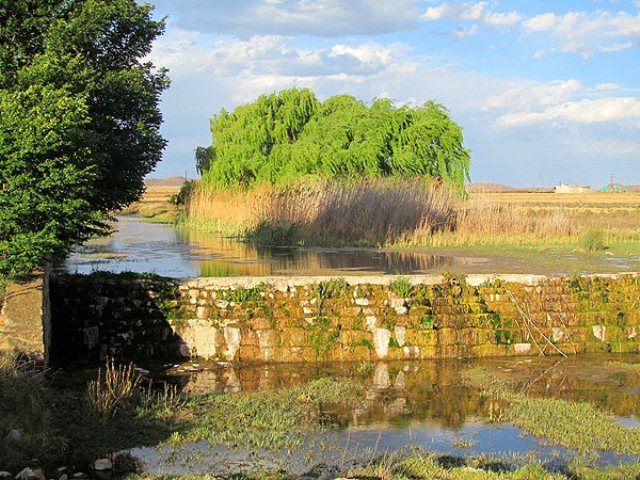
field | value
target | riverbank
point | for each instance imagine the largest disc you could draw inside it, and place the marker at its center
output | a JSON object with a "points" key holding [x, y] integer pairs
{"points": [[587, 226]]}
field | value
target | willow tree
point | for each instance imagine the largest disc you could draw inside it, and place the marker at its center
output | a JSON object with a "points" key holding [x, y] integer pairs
{"points": [[283, 137], [79, 121]]}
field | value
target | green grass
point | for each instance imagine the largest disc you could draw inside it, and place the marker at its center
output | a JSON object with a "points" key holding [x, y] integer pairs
{"points": [[417, 464], [402, 287], [278, 419], [577, 425], [592, 241]]}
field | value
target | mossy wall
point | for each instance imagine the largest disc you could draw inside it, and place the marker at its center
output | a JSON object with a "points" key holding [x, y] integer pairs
{"points": [[362, 318]]}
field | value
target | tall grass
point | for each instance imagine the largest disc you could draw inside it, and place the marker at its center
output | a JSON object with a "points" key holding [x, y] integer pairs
{"points": [[366, 212], [24, 407], [113, 389]]}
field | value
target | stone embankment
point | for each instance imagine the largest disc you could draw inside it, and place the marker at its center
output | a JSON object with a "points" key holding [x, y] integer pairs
{"points": [[312, 319]]}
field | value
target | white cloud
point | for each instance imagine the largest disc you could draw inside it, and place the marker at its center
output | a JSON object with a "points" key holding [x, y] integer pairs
{"points": [[324, 18], [470, 11], [584, 33], [533, 95], [601, 110], [502, 19], [607, 87], [616, 47], [541, 23]]}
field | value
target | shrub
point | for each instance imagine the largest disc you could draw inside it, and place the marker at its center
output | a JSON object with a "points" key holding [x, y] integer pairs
{"points": [[593, 241]]}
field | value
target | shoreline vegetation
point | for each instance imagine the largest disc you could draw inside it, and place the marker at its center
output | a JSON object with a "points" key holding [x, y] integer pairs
{"points": [[404, 214], [116, 408]]}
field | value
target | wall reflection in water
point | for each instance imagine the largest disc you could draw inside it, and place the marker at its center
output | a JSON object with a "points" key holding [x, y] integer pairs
{"points": [[404, 394]]}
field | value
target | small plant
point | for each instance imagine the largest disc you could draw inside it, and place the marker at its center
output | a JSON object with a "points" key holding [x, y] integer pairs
{"points": [[331, 288], [113, 390], [463, 443], [323, 336], [593, 241], [181, 198], [393, 343], [242, 294], [427, 323], [402, 287], [364, 368]]}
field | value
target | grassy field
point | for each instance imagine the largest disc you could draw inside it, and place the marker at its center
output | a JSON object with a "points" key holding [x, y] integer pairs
{"points": [[156, 205]]}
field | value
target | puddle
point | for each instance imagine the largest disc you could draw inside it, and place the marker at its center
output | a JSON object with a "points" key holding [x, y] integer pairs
{"points": [[407, 404]]}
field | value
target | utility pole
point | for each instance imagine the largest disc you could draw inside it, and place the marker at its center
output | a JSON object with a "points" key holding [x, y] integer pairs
{"points": [[611, 187]]}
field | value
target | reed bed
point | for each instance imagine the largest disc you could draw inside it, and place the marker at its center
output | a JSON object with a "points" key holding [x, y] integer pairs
{"points": [[372, 212], [363, 212]]}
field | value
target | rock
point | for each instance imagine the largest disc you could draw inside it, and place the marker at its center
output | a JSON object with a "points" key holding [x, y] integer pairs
{"points": [[26, 474], [362, 302], [13, 436], [103, 464], [401, 310], [398, 302], [329, 473], [5, 475], [79, 475], [64, 476]]}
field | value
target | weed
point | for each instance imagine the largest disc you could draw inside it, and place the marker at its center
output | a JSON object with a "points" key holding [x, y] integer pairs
{"points": [[242, 294], [402, 287], [576, 425], [113, 390], [427, 323], [323, 337], [592, 241], [331, 288]]}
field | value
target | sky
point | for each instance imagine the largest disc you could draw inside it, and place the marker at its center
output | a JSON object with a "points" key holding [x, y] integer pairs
{"points": [[545, 91]]}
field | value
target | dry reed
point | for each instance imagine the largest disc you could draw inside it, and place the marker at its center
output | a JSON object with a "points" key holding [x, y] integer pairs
{"points": [[370, 212], [113, 389]]}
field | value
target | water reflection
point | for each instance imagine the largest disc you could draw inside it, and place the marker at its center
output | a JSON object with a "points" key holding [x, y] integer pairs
{"points": [[414, 403], [139, 246]]}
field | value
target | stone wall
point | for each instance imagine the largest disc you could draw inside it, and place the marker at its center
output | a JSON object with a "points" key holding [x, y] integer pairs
{"points": [[25, 317], [309, 319]]}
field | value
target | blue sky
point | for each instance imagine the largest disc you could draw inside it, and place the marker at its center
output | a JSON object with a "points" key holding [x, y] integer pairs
{"points": [[546, 91]]}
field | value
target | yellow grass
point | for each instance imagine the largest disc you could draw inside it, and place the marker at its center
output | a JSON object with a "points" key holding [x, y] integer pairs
{"points": [[155, 204], [364, 212]]}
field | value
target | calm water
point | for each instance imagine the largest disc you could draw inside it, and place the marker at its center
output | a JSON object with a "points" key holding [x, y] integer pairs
{"points": [[139, 246], [410, 404]]}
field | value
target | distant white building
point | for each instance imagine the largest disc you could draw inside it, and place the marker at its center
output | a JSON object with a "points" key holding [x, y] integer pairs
{"points": [[564, 188]]}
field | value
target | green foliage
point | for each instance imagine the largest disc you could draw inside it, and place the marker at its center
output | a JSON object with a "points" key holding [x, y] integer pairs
{"points": [[80, 121], [593, 241], [402, 287], [269, 233], [427, 322], [331, 288], [180, 198], [242, 294], [323, 336], [282, 137], [204, 157]]}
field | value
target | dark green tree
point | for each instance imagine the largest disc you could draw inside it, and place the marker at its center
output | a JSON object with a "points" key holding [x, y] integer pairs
{"points": [[79, 121], [204, 157]]}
